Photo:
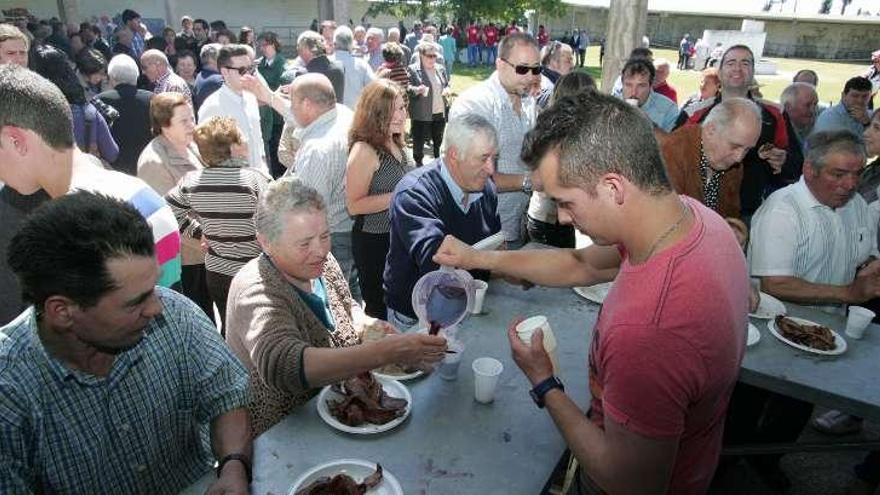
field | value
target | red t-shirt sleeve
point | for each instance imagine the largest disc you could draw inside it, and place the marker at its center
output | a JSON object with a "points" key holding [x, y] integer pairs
{"points": [[650, 377]]}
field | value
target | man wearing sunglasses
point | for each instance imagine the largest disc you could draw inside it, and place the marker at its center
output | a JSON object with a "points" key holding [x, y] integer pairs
{"points": [[236, 63], [505, 99]]}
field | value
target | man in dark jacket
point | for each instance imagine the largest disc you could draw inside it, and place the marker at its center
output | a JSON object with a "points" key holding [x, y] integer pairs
{"points": [[313, 53], [209, 78], [132, 129]]}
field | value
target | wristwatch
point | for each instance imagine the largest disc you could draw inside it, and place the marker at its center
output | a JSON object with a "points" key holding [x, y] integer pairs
{"points": [[527, 184], [243, 459], [542, 388]]}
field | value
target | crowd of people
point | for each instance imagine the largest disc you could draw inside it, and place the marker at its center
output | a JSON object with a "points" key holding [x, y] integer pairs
{"points": [[155, 183]]}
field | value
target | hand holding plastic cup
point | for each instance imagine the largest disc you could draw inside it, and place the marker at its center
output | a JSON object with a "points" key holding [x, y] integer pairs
{"points": [[858, 320], [479, 294], [486, 373], [527, 327]]}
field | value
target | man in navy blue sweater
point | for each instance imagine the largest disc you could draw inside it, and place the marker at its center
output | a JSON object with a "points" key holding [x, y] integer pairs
{"points": [[453, 195]]}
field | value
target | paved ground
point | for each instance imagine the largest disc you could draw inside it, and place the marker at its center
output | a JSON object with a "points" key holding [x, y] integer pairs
{"points": [[810, 473]]}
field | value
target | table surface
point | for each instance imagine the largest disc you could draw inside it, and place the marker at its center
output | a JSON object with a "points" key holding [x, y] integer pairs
{"points": [[452, 444]]}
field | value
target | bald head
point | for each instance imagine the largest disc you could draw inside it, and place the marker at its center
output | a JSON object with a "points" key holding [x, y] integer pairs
{"points": [[154, 64], [730, 130], [315, 88], [311, 95]]}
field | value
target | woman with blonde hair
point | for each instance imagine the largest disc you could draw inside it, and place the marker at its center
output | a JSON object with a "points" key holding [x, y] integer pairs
{"points": [[377, 161], [217, 204]]}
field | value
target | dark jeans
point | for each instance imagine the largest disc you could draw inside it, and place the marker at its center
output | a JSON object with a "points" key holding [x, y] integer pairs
{"points": [[422, 130], [275, 166], [369, 251], [757, 416], [218, 288], [581, 56], [195, 287], [561, 236]]}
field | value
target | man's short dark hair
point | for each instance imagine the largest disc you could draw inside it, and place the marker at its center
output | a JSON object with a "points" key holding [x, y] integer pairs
{"points": [[512, 40], [595, 134], [63, 247], [218, 25], [270, 38], [90, 61], [642, 53], [228, 51], [203, 22], [738, 47], [635, 66], [857, 83], [23, 91], [128, 15]]}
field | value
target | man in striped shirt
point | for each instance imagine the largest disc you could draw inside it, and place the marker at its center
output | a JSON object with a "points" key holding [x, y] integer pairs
{"points": [[38, 157], [810, 239], [107, 382], [813, 242]]}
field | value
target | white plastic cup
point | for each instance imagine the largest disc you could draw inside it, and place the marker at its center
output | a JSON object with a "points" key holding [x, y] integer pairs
{"points": [[633, 101], [527, 327], [480, 288], [451, 361], [858, 320], [486, 373]]}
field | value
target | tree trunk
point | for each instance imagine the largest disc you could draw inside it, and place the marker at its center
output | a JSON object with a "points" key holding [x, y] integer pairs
{"points": [[627, 21]]}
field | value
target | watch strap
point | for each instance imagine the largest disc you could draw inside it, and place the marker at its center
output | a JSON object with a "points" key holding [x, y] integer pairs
{"points": [[541, 389], [245, 461]]}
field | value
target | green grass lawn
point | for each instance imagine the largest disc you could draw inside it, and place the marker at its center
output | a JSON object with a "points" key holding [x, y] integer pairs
{"points": [[832, 75]]}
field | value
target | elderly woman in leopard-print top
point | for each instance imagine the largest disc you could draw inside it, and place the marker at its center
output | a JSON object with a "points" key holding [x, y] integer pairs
{"points": [[290, 317]]}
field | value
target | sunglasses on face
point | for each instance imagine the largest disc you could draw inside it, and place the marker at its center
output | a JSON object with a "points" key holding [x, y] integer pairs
{"points": [[524, 69], [249, 69]]}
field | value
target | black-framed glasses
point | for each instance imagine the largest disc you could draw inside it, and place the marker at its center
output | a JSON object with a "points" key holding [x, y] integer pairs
{"points": [[246, 70], [523, 69]]}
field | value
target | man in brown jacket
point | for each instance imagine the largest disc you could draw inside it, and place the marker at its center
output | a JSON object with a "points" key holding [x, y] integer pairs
{"points": [[703, 161]]}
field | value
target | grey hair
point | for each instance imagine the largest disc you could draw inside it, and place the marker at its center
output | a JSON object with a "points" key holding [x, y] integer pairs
{"points": [[822, 144], [426, 47], [792, 91], [374, 31], [723, 115], [393, 30], [342, 38], [122, 69], [209, 53], [312, 42], [461, 131], [286, 195], [153, 56]]}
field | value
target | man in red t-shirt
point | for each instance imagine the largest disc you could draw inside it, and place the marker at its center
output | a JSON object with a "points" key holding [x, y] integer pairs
{"points": [[668, 343], [473, 43], [490, 37], [543, 37]]}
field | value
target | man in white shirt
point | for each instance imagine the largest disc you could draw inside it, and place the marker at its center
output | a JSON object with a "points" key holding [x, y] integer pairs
{"points": [[231, 100], [812, 242], [505, 100], [357, 72]]}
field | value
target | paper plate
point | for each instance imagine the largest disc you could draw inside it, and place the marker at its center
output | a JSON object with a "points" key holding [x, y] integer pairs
{"points": [[754, 336], [357, 469], [768, 308], [401, 378], [596, 293], [392, 387], [838, 340]]}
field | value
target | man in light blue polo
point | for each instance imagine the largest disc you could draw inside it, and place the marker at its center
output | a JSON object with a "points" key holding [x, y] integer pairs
{"points": [[851, 113], [638, 80]]}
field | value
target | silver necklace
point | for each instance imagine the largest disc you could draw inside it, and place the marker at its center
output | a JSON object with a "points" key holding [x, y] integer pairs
{"points": [[671, 229]]}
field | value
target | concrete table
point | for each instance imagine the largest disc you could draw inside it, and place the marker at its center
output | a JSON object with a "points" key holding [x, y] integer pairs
{"points": [[849, 382], [451, 444]]}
